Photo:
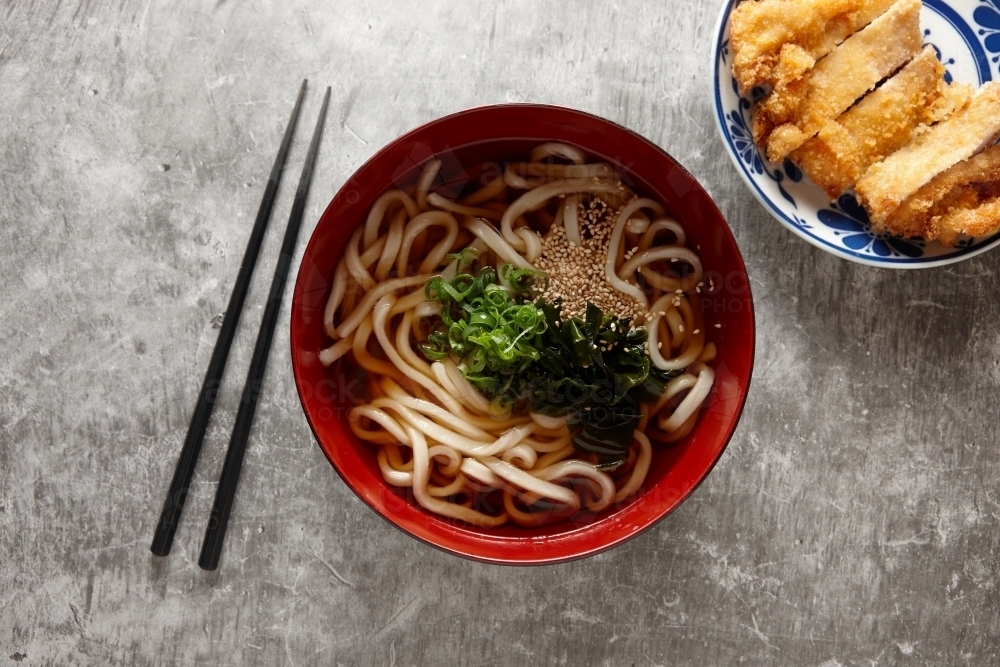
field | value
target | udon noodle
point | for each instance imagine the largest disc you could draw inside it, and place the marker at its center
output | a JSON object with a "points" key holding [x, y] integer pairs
{"points": [[435, 432]]}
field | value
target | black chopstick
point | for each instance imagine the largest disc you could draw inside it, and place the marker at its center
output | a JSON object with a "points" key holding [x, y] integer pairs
{"points": [[212, 546], [177, 494]]}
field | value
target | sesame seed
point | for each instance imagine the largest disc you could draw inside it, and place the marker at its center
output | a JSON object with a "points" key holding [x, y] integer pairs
{"points": [[718, 326]]}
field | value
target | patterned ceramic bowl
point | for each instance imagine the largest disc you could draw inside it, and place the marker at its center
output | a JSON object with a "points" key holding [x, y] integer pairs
{"points": [[966, 35]]}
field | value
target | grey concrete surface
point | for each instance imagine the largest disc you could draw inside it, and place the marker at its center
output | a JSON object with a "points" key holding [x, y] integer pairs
{"points": [[852, 521]]}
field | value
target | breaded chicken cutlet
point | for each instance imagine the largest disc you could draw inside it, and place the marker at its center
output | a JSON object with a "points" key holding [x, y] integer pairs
{"points": [[884, 121], [851, 105], [890, 182], [963, 200], [794, 112], [775, 41]]}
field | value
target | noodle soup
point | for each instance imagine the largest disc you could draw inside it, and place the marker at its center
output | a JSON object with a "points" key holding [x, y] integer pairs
{"points": [[475, 146], [529, 335]]}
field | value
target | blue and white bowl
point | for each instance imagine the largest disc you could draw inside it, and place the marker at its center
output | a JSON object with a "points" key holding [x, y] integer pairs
{"points": [[966, 35]]}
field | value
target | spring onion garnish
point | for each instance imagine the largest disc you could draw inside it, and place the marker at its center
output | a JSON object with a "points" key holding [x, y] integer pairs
{"points": [[492, 330]]}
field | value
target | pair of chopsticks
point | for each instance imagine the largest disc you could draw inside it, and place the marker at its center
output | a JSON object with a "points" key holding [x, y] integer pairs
{"points": [[226, 492]]}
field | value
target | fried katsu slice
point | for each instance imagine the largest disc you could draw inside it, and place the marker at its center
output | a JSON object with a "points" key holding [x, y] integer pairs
{"points": [[791, 114], [889, 183], [880, 124], [962, 200], [775, 41]]}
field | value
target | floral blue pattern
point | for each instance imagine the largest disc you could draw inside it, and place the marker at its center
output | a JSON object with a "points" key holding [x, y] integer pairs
{"points": [[842, 227], [944, 61], [742, 138], [988, 18], [851, 224]]}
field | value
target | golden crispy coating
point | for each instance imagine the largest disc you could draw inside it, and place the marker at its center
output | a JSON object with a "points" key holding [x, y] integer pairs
{"points": [[889, 183], [775, 41], [793, 113], [880, 124], [962, 200]]}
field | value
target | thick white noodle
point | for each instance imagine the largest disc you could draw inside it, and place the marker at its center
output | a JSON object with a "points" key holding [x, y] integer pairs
{"points": [[375, 216], [687, 356], [410, 302], [444, 454], [679, 253], [382, 419], [357, 266], [402, 478], [465, 392], [522, 456], [336, 351], [459, 413], [637, 224], [518, 182], [437, 201], [509, 439], [496, 243], [417, 226], [555, 457], [537, 198], [551, 423], [674, 387], [668, 224], [403, 343], [368, 303], [614, 248], [427, 309], [691, 402], [421, 478], [485, 193], [451, 489], [565, 469], [532, 244], [552, 446], [431, 169], [391, 249], [557, 149], [336, 297], [525, 480], [479, 472], [464, 444], [571, 219], [640, 469]]}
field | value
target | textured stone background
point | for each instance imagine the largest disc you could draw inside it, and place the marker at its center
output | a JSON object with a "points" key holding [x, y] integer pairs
{"points": [[853, 519]]}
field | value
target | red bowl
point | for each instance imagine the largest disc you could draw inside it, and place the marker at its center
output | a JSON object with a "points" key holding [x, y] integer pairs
{"points": [[506, 132]]}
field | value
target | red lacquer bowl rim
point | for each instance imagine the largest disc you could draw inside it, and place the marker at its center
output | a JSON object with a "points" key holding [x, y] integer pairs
{"points": [[563, 541]]}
